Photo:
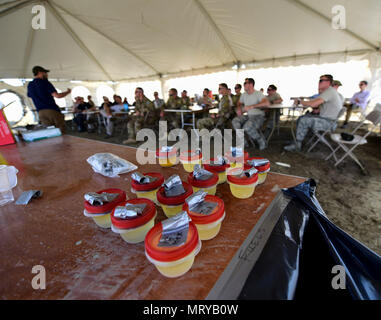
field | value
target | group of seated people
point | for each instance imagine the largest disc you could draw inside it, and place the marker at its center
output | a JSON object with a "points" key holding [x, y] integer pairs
{"points": [[248, 110]]}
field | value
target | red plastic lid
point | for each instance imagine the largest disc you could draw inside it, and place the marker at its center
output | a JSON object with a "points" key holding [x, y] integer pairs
{"points": [[203, 183], [149, 186], [220, 168], [200, 218], [236, 179], [174, 201], [168, 254], [190, 155], [148, 213], [108, 206], [259, 168], [231, 158], [169, 154]]}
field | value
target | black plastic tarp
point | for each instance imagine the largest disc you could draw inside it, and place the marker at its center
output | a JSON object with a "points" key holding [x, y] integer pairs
{"points": [[286, 269]]}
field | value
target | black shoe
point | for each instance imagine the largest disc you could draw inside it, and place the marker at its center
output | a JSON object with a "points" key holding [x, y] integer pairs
{"points": [[107, 136]]}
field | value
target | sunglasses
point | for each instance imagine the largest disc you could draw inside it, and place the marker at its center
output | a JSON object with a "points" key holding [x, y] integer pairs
{"points": [[321, 80]]}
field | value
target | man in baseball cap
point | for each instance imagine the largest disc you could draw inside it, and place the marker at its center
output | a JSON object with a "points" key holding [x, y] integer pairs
{"points": [[37, 69], [42, 92], [336, 84]]}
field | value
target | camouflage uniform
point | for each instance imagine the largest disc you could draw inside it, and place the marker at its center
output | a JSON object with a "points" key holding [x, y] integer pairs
{"points": [[186, 101], [146, 109], [174, 119], [225, 113], [312, 122], [252, 126]]}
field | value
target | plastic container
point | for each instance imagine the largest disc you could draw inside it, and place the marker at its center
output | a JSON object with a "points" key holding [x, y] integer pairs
{"points": [[189, 159], [134, 230], [241, 187], [209, 186], [148, 190], [173, 205], [172, 262], [220, 170], [167, 159], [208, 226], [101, 214], [262, 170], [237, 162]]}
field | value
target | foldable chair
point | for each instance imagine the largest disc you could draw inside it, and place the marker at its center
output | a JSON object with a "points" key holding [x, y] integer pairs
{"points": [[320, 135], [375, 118]]}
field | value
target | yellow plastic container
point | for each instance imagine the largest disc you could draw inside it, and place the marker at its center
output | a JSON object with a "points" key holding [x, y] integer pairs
{"points": [[172, 262], [148, 190], [241, 187], [134, 230], [209, 186], [210, 190], [171, 211], [101, 220], [101, 214], [173, 205], [209, 231], [135, 235], [208, 226], [262, 177], [189, 159], [220, 170], [262, 170], [167, 159]]}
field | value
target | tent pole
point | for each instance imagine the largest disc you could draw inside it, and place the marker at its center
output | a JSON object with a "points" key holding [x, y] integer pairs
{"points": [[75, 37]]}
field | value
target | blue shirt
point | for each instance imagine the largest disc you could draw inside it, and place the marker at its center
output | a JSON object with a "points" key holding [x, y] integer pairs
{"points": [[40, 91]]}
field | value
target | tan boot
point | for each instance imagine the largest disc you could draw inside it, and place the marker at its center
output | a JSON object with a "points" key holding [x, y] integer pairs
{"points": [[129, 141]]}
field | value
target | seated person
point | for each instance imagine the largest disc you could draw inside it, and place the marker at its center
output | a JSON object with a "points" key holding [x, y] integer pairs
{"points": [[359, 100], [225, 112], [108, 113], [205, 101], [157, 101], [144, 115], [106, 102], [251, 101], [330, 107], [80, 109], [185, 99], [175, 103], [274, 98]]}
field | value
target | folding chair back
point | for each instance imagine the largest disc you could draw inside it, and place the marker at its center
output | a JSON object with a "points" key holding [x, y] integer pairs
{"points": [[375, 118], [320, 137]]}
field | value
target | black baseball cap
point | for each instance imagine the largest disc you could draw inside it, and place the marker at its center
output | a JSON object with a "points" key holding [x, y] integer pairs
{"points": [[37, 69]]}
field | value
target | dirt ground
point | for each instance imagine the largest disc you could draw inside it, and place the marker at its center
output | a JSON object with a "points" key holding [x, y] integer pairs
{"points": [[350, 198]]}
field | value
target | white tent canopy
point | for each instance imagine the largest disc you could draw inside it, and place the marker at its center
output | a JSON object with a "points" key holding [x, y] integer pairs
{"points": [[147, 39]]}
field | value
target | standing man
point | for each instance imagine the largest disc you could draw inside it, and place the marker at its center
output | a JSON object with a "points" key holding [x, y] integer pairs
{"points": [[144, 114], [251, 101], [359, 100], [330, 104], [42, 92]]}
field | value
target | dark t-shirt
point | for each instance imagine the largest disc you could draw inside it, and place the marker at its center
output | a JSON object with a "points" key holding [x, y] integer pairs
{"points": [[41, 93], [84, 106]]}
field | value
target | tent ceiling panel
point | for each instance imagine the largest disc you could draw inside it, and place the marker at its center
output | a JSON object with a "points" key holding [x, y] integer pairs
{"points": [[13, 43], [130, 39]]}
